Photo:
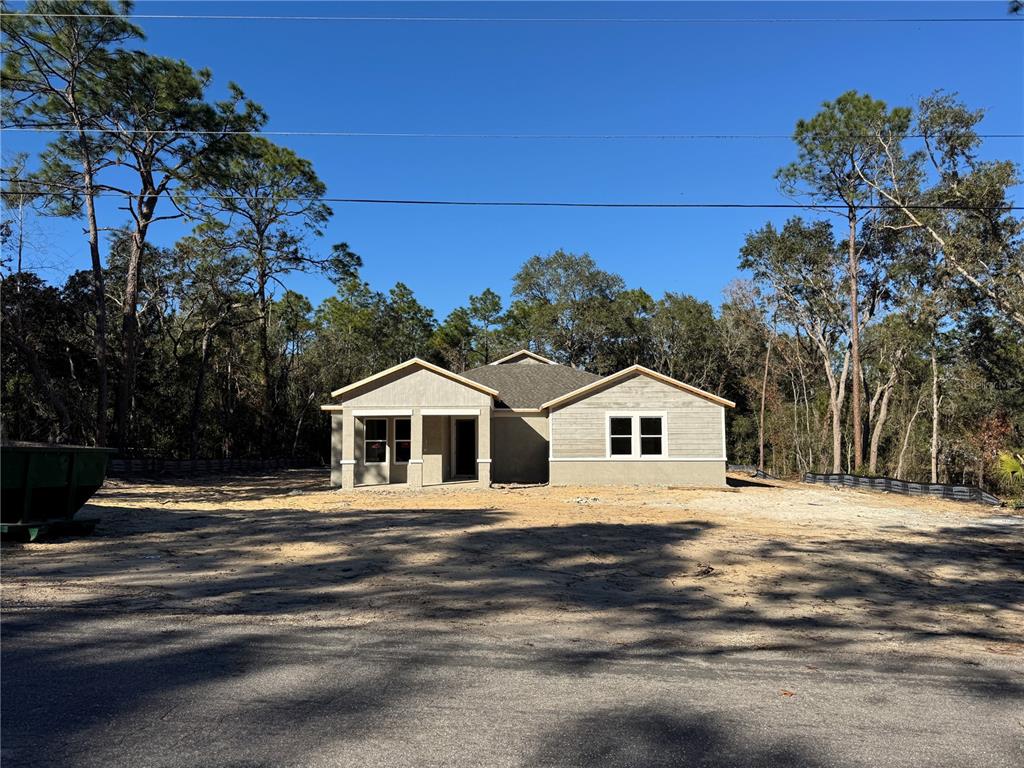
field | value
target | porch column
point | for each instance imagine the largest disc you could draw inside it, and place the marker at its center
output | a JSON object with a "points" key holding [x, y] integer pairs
{"points": [[348, 450], [483, 443], [337, 439], [414, 479]]}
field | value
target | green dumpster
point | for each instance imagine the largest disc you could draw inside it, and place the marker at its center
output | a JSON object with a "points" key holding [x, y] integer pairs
{"points": [[43, 486]]}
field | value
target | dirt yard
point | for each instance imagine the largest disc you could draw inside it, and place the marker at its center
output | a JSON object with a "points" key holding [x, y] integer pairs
{"points": [[753, 567]]}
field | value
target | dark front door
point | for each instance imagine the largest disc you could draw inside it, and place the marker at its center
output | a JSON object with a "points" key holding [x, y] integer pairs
{"points": [[465, 448]]}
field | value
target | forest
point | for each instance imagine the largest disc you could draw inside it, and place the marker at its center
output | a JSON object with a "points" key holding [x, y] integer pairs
{"points": [[878, 331]]}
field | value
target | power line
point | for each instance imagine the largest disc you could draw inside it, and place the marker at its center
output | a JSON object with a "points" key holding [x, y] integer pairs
{"points": [[522, 203], [528, 19], [435, 135]]}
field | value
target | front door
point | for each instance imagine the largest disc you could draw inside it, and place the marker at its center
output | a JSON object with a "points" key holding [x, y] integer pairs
{"points": [[465, 448]]}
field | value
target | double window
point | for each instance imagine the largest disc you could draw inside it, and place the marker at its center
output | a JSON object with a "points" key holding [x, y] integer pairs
{"points": [[636, 435], [375, 441]]}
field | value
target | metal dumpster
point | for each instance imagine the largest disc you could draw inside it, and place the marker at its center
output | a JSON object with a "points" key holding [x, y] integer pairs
{"points": [[43, 486]]}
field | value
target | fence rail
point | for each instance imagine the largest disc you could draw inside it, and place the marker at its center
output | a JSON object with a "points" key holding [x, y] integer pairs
{"points": [[905, 487], [154, 466]]}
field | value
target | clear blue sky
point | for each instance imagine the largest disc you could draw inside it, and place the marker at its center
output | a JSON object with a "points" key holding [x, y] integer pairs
{"points": [[564, 78]]}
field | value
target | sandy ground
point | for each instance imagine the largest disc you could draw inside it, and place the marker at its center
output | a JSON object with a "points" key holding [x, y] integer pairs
{"points": [[756, 567]]}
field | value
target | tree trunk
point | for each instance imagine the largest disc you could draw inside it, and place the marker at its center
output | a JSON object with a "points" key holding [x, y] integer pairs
{"points": [[130, 327], [760, 421], [197, 397], [858, 448], [267, 406], [935, 416], [878, 424], [837, 394], [99, 299], [906, 438]]}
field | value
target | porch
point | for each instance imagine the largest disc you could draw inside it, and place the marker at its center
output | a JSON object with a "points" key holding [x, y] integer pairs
{"points": [[410, 446]]}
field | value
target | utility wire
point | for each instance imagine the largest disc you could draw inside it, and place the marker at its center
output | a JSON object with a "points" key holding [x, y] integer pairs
{"points": [[431, 135], [516, 203], [528, 19]]}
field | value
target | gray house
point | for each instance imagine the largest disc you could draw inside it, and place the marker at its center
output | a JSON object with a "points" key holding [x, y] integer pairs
{"points": [[525, 419]]}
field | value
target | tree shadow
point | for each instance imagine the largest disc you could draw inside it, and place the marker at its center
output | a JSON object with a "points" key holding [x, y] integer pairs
{"points": [[62, 701], [652, 738], [444, 569]]}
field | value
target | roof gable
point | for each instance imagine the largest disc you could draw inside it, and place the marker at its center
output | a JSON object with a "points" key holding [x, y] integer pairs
{"points": [[415, 362], [625, 373], [523, 356]]}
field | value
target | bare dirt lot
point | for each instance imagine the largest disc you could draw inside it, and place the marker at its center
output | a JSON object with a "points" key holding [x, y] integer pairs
{"points": [[755, 567]]}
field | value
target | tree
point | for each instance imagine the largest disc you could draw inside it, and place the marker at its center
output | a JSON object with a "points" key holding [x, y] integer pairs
{"points": [[454, 339], [161, 128], [834, 148], [956, 200], [485, 311], [209, 290], [800, 268], [53, 77], [265, 199], [685, 340], [559, 301]]}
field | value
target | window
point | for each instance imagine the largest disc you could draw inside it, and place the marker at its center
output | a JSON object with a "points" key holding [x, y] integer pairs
{"points": [[403, 440], [620, 436], [636, 436], [650, 435], [375, 441]]}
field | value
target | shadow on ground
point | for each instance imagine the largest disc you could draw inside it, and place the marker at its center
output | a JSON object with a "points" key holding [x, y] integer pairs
{"points": [[402, 566]]}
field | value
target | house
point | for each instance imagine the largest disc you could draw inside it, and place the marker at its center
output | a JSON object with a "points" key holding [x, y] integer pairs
{"points": [[525, 419]]}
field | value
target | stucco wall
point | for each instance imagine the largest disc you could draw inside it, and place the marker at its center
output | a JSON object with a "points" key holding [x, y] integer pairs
{"points": [[336, 448], [519, 449], [436, 449], [694, 425], [701, 473]]}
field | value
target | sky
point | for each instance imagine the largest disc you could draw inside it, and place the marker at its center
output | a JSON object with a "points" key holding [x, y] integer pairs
{"points": [[566, 78]]}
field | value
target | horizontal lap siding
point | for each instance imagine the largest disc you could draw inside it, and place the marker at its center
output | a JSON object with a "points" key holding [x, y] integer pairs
{"points": [[416, 388], [694, 424]]}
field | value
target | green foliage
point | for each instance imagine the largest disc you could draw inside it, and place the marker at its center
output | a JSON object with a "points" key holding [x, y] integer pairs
{"points": [[1010, 468], [217, 356]]}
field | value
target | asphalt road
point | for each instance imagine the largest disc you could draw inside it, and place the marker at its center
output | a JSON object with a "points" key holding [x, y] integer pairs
{"points": [[159, 692]]}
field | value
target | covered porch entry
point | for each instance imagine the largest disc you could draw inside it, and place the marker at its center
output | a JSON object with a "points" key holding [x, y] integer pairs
{"points": [[410, 446]]}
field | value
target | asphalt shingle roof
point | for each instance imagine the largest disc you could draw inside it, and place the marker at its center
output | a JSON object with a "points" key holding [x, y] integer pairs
{"points": [[530, 385]]}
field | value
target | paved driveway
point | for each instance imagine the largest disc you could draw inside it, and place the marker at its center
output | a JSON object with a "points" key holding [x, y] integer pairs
{"points": [[145, 692]]}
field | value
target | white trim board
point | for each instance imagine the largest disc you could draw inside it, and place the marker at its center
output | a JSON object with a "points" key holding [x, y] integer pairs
{"points": [[381, 412], [450, 411]]}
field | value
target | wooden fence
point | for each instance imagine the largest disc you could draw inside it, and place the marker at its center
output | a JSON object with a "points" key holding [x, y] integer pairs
{"points": [[907, 488], [154, 466]]}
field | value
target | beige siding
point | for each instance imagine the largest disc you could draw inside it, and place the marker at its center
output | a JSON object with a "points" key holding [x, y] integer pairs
{"points": [[519, 449], [590, 473], [694, 425], [416, 387]]}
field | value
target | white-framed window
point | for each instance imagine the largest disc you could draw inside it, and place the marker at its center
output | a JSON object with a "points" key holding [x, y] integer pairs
{"points": [[636, 435], [403, 440], [375, 441]]}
